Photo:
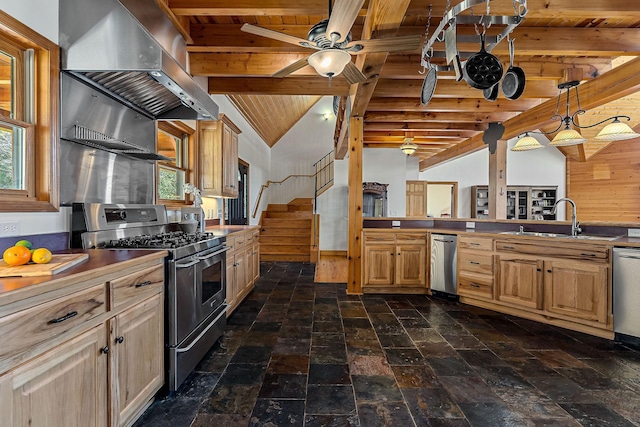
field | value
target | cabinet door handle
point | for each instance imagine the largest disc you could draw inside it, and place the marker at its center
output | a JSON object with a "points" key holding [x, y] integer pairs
{"points": [[63, 318], [508, 247], [120, 339], [105, 349], [474, 285], [474, 262], [538, 269], [549, 271], [145, 283], [589, 255]]}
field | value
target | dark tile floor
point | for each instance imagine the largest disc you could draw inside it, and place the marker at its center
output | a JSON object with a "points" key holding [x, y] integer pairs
{"points": [[297, 353]]}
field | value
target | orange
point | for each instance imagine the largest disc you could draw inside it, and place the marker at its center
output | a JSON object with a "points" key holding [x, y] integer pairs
{"points": [[16, 255], [41, 256]]}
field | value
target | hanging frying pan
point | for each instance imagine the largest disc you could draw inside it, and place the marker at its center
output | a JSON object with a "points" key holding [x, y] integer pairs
{"points": [[482, 70], [491, 94], [514, 80], [429, 85]]}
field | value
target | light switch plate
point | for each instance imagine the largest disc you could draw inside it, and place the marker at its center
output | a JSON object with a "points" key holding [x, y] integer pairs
{"points": [[633, 232], [470, 224]]}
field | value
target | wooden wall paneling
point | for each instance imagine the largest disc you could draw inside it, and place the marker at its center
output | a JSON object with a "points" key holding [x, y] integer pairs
{"points": [[354, 254]]}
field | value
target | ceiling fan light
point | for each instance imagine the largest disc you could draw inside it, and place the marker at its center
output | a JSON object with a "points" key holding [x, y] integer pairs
{"points": [[329, 62], [527, 143], [567, 137], [408, 147], [616, 131]]}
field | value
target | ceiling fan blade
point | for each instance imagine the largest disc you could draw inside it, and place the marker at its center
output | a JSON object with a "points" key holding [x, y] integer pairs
{"points": [[263, 32], [390, 44], [343, 15], [295, 66], [353, 74]]}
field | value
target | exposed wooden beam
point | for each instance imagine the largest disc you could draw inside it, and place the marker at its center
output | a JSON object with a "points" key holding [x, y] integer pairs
{"points": [[620, 81], [416, 116], [417, 135], [420, 126], [452, 104], [453, 89], [248, 8], [315, 85]]}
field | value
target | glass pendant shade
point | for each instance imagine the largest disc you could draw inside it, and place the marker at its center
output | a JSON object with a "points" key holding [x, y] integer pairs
{"points": [[408, 148], [329, 62], [527, 143], [616, 131], [566, 137]]}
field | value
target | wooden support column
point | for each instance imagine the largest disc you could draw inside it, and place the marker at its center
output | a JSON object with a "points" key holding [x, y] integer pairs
{"points": [[498, 181], [354, 254]]}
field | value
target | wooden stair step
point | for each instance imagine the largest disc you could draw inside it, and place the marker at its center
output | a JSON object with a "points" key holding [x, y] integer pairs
{"points": [[279, 239], [285, 222], [283, 248], [279, 231], [289, 214]]}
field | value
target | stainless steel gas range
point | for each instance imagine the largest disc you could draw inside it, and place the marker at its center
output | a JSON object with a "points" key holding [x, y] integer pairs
{"points": [[194, 271]]}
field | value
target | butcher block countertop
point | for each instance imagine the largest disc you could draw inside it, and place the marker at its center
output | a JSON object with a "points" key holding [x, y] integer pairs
{"points": [[101, 264]]}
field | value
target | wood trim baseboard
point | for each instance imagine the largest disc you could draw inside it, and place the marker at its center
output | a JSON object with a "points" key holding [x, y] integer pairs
{"points": [[333, 253]]}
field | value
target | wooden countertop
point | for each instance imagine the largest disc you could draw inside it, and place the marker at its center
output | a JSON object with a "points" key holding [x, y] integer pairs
{"points": [[225, 230], [100, 262]]}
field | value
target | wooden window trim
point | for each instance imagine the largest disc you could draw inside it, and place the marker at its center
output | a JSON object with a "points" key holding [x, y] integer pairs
{"points": [[177, 128], [42, 184]]}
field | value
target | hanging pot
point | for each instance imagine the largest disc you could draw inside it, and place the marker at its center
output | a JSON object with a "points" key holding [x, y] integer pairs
{"points": [[482, 70], [514, 80], [429, 85], [491, 94]]}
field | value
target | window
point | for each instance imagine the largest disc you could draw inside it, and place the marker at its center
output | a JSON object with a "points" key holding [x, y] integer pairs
{"points": [[175, 141], [29, 75]]}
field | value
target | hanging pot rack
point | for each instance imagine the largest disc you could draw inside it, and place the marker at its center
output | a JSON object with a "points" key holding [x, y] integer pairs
{"points": [[453, 17]]}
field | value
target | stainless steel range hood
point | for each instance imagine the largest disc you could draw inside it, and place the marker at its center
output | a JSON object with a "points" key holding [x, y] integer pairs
{"points": [[132, 51]]}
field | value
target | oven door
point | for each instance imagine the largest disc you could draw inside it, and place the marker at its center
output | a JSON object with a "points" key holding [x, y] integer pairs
{"points": [[211, 272]]}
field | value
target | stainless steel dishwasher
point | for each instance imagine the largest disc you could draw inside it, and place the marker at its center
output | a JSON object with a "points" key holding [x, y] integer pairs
{"points": [[626, 296], [444, 250]]}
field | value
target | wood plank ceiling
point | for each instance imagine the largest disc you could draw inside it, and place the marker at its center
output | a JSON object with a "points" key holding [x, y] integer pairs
{"points": [[556, 35]]}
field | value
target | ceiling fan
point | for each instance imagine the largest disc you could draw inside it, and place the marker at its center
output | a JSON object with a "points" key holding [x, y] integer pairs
{"points": [[331, 38]]}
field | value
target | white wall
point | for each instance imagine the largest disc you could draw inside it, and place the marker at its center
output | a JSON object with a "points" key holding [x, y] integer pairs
{"points": [[333, 207], [39, 15], [545, 166]]}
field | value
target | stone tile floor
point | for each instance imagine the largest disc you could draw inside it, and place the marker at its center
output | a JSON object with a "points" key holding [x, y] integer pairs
{"points": [[298, 353]]}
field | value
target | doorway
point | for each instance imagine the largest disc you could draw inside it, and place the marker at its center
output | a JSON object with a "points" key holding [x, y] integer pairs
{"points": [[442, 199], [236, 210]]}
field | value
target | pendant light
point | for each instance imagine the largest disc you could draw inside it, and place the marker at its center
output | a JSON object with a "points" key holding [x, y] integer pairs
{"points": [[614, 131], [409, 147]]}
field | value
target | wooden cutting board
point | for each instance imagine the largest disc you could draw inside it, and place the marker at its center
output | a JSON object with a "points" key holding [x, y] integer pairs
{"points": [[58, 263]]}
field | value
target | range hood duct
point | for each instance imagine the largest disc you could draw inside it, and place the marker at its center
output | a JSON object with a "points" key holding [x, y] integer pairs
{"points": [[131, 50]]}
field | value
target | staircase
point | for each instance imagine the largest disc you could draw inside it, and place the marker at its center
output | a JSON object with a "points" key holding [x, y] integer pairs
{"points": [[286, 231]]}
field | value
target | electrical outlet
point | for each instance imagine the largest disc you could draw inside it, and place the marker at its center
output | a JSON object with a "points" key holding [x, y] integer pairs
{"points": [[11, 228], [470, 224], [395, 223], [633, 232]]}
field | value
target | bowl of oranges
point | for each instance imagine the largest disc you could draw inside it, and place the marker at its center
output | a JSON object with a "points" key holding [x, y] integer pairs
{"points": [[22, 252]]}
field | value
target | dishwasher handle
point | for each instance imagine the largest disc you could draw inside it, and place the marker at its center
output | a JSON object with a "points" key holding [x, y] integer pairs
{"points": [[444, 241]]}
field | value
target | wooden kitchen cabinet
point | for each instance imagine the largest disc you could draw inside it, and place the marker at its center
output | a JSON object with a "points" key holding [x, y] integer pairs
{"points": [[218, 148], [475, 267], [395, 261], [95, 353], [520, 281], [243, 265]]}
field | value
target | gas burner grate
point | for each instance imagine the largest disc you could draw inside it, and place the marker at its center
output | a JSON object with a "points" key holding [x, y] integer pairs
{"points": [[170, 240]]}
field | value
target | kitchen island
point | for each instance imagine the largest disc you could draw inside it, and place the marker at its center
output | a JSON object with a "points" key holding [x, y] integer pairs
{"points": [[99, 324]]}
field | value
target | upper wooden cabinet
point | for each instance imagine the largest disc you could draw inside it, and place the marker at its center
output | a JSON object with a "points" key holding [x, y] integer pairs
{"points": [[218, 148]]}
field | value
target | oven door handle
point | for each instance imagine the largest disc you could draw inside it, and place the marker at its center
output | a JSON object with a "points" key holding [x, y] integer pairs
{"points": [[189, 264], [196, 339], [211, 255]]}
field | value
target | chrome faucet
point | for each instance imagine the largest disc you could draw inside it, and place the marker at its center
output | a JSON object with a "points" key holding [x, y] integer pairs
{"points": [[575, 225]]}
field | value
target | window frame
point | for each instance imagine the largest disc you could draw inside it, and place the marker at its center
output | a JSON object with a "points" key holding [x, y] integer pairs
{"points": [[41, 147], [187, 135]]}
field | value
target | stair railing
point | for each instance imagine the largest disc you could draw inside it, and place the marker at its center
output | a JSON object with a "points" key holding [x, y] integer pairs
{"points": [[323, 178]]}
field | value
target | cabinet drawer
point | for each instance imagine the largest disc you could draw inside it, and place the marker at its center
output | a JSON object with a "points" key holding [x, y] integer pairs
{"points": [[475, 285], [27, 328], [550, 248], [256, 235], [411, 238], [379, 237], [475, 262], [142, 283], [230, 243], [241, 241], [477, 243]]}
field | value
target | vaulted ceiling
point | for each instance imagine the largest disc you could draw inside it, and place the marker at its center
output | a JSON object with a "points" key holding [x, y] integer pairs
{"points": [[586, 37]]}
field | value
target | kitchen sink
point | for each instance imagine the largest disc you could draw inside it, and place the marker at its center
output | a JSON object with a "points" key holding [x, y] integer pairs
{"points": [[565, 236]]}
